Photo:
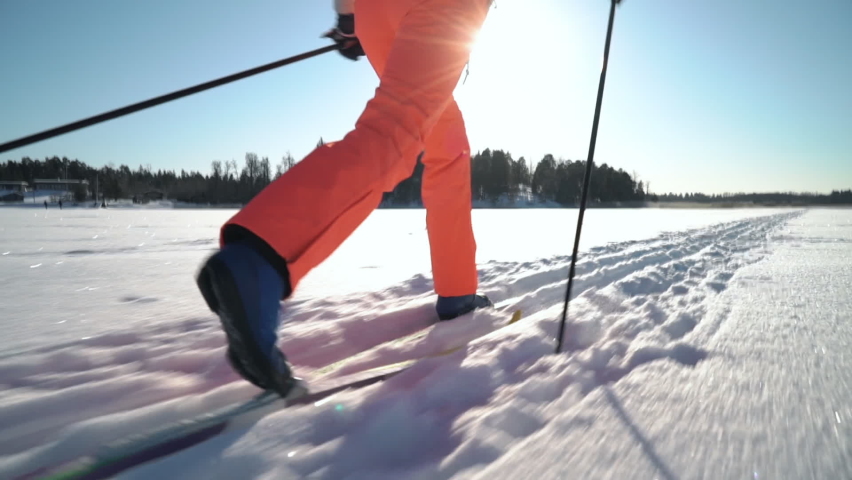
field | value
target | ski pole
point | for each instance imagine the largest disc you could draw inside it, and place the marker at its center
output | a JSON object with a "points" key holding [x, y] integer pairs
{"points": [[587, 176], [160, 100]]}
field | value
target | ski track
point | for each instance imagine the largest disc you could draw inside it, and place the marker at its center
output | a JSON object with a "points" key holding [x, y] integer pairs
{"points": [[633, 302]]}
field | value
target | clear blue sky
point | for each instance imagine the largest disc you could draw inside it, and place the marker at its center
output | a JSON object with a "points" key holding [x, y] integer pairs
{"points": [[701, 95]]}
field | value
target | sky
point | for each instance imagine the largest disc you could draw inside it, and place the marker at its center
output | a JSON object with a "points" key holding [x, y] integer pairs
{"points": [[701, 96]]}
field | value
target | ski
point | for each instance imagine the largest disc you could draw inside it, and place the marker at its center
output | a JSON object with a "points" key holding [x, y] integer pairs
{"points": [[136, 450]]}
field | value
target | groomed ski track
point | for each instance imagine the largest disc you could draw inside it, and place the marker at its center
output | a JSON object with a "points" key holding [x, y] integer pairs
{"points": [[635, 302]]}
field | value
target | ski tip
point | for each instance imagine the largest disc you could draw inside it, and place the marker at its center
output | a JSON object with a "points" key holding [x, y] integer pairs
{"points": [[515, 317]]}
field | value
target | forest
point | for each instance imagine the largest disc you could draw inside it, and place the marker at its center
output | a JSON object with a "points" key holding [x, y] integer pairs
{"points": [[496, 176]]}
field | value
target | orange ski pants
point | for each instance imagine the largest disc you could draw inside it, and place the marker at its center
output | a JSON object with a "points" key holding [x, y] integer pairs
{"points": [[419, 49]]}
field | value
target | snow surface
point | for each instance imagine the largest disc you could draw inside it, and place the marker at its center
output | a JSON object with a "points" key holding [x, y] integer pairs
{"points": [[703, 344]]}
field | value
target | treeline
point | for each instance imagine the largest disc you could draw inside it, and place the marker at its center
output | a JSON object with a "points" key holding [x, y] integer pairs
{"points": [[496, 177], [836, 197], [226, 182], [561, 181]]}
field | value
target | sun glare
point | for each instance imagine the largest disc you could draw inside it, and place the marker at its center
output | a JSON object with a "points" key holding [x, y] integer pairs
{"points": [[517, 65], [520, 35]]}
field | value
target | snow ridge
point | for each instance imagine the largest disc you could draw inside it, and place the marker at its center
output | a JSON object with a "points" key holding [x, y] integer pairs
{"points": [[634, 302]]}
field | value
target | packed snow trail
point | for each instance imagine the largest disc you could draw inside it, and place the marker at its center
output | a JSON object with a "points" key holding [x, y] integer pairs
{"points": [[636, 302], [772, 400], [630, 289]]}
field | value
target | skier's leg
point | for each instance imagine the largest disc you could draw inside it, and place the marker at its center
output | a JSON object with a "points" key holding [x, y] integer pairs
{"points": [[302, 217], [308, 212], [447, 197]]}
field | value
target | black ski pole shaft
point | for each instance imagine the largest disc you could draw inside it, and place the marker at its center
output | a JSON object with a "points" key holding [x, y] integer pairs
{"points": [[587, 177], [86, 122]]}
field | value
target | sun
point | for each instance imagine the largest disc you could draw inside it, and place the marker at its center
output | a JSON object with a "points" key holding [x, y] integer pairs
{"points": [[520, 34], [518, 64]]}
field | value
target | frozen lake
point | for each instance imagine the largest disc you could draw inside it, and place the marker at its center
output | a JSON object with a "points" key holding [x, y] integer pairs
{"points": [[74, 273], [703, 344]]}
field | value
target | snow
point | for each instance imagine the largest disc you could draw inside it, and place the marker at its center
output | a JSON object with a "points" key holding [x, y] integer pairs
{"points": [[701, 344]]}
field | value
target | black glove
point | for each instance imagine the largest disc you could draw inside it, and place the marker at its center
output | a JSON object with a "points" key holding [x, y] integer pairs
{"points": [[344, 36]]}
